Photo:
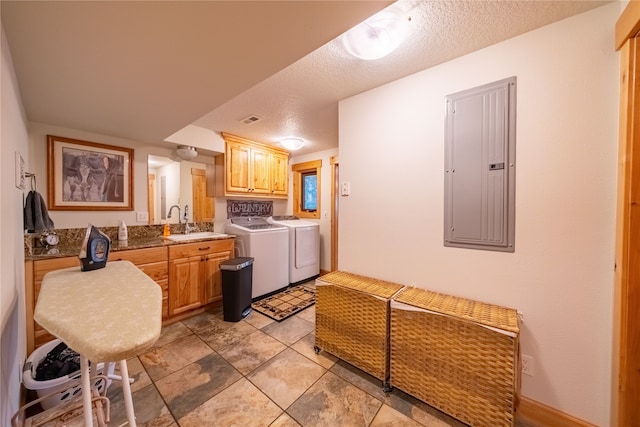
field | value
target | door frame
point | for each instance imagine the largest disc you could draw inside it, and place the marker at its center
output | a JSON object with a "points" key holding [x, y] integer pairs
{"points": [[626, 339], [335, 195]]}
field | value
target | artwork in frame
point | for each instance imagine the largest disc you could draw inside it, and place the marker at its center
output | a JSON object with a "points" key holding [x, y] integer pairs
{"points": [[88, 176]]}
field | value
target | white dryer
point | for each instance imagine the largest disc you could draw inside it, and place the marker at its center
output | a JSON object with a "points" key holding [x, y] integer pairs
{"points": [[304, 247], [268, 245]]}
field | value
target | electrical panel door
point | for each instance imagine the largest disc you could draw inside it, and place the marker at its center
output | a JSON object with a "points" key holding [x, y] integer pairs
{"points": [[480, 167]]}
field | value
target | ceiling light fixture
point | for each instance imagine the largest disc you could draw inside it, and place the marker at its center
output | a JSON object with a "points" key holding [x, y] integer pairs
{"points": [[186, 152], [292, 143], [377, 36]]}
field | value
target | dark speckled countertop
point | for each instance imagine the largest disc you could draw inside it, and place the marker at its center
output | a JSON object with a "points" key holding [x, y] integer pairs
{"points": [[139, 237]]}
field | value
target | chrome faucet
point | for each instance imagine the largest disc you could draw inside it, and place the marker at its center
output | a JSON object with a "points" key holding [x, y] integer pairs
{"points": [[171, 209]]}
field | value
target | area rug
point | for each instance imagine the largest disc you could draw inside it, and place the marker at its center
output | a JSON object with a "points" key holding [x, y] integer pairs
{"points": [[287, 303]]}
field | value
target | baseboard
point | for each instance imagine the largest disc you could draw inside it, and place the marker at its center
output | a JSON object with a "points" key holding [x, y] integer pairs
{"points": [[546, 416]]}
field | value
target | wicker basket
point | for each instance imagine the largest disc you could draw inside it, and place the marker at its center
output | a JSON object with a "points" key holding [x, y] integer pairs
{"points": [[352, 320], [458, 355]]}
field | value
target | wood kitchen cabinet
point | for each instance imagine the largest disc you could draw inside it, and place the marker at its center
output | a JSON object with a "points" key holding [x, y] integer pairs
{"points": [[279, 174], [254, 169], [194, 274]]}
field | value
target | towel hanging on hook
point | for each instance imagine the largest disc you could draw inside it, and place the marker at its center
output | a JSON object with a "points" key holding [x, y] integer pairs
{"points": [[36, 216]]}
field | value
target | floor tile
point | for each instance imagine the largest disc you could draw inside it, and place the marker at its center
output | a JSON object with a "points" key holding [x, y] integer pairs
{"points": [[286, 376], [308, 314], [285, 420], [258, 320], [305, 346], [360, 379], [389, 417], [136, 372], [333, 401], [196, 383], [419, 411], [241, 404], [150, 409], [161, 361], [203, 322], [252, 351], [289, 330], [217, 333], [171, 333]]}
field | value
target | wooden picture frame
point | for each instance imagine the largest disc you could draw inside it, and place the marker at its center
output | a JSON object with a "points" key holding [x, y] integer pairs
{"points": [[88, 176]]}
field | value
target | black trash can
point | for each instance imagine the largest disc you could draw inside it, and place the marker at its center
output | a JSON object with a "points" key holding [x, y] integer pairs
{"points": [[237, 278]]}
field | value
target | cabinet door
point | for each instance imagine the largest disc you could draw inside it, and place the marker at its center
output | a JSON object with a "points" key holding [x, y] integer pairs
{"points": [[238, 175], [279, 174], [185, 292], [261, 168], [212, 280]]}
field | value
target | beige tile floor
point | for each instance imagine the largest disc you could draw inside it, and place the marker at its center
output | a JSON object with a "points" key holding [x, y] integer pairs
{"points": [[204, 371]]}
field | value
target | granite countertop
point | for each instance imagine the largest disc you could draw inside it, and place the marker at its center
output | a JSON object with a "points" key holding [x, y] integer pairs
{"points": [[140, 237]]}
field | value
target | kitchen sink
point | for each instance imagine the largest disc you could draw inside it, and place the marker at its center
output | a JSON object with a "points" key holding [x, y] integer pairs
{"points": [[195, 236]]}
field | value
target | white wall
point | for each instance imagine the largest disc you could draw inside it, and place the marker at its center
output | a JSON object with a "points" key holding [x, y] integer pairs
{"points": [[13, 138], [561, 274], [325, 201]]}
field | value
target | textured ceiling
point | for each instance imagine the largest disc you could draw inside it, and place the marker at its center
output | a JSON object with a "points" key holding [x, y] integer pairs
{"points": [[144, 70]]}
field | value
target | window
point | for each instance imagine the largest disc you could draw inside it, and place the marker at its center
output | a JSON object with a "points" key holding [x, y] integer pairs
{"points": [[306, 189], [309, 194]]}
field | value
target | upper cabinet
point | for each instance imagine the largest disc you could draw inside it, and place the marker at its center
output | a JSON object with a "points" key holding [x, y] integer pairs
{"points": [[254, 169]]}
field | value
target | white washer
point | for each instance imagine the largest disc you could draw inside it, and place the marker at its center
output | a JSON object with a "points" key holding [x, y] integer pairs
{"points": [[268, 245], [304, 247]]}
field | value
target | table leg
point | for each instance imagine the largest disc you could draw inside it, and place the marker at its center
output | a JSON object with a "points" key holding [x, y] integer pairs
{"points": [[86, 391], [126, 393]]}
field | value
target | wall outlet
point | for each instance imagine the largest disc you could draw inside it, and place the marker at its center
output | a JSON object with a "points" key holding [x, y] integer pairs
{"points": [[527, 365], [142, 216]]}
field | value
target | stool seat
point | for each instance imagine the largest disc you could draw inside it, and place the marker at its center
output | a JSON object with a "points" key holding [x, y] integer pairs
{"points": [[109, 314]]}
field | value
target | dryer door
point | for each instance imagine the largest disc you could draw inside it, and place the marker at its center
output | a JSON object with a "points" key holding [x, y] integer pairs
{"points": [[307, 246]]}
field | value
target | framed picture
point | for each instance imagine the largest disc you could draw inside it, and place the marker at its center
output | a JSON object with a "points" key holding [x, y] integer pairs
{"points": [[87, 176]]}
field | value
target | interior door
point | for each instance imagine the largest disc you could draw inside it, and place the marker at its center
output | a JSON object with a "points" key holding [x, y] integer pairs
{"points": [[203, 206]]}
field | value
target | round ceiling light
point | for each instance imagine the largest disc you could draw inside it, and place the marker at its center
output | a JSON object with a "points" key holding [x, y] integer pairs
{"points": [[377, 36], [292, 143], [186, 152]]}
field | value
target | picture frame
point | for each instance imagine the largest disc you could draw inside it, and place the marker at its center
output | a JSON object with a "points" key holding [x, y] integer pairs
{"points": [[88, 176]]}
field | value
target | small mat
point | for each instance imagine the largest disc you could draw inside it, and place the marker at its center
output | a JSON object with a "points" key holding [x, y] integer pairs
{"points": [[287, 303]]}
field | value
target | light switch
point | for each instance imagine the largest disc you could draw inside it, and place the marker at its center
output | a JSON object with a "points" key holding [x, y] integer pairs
{"points": [[346, 188], [142, 216]]}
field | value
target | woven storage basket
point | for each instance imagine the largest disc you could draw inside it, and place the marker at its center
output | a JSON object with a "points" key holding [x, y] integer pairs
{"points": [[458, 355], [352, 320]]}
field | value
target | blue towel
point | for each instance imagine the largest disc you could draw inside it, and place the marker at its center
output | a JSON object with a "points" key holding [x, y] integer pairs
{"points": [[36, 215]]}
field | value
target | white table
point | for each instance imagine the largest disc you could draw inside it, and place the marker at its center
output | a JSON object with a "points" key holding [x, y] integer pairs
{"points": [[106, 315]]}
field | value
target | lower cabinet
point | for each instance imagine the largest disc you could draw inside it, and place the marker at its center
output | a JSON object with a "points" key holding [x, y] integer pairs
{"points": [[194, 274]]}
